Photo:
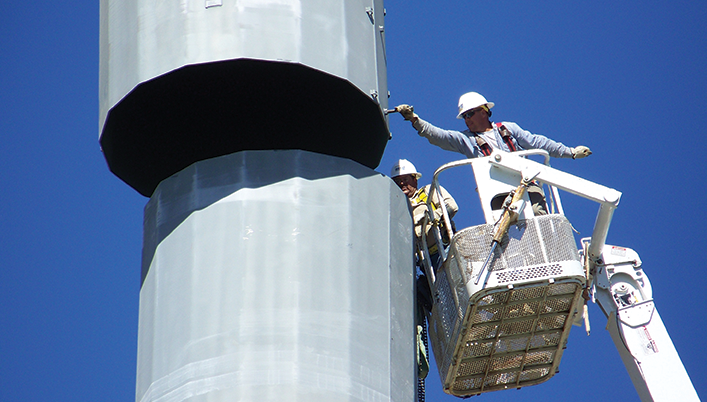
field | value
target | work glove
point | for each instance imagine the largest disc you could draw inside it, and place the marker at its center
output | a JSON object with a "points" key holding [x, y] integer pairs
{"points": [[580, 152], [406, 111]]}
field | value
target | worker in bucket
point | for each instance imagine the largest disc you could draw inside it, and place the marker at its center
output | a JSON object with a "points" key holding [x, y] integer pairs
{"points": [[405, 175], [482, 136]]}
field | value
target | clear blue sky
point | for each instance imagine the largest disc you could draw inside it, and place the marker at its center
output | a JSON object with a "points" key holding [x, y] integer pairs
{"points": [[624, 78]]}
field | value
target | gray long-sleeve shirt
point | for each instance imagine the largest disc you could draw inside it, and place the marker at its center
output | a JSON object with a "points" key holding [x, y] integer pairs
{"points": [[465, 143]]}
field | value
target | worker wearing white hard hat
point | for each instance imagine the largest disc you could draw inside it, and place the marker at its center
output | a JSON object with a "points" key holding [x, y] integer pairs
{"points": [[482, 135], [403, 167], [405, 175], [472, 100]]}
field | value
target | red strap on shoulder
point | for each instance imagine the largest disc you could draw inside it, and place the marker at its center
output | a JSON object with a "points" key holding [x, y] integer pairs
{"points": [[506, 135], [483, 146]]}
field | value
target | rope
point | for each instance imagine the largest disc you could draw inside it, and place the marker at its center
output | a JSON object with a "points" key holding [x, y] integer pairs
{"points": [[421, 381]]}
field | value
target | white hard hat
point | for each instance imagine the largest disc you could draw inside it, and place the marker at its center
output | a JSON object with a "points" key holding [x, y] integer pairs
{"points": [[472, 100], [404, 166]]}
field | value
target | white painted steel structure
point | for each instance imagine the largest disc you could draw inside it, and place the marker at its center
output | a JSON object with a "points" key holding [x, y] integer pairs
{"points": [[277, 275]]}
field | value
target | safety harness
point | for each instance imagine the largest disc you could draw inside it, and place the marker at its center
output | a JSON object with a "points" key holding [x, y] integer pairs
{"points": [[421, 198], [505, 134]]}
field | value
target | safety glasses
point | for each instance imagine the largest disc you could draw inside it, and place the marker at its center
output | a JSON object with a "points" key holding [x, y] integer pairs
{"points": [[470, 113]]}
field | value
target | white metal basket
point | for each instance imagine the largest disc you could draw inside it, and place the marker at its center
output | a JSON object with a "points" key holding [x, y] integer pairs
{"points": [[511, 332]]}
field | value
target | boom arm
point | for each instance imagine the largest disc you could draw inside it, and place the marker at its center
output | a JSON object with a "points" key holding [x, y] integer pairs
{"points": [[624, 294]]}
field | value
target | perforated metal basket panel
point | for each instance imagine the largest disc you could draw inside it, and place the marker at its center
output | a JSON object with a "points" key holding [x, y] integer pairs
{"points": [[510, 333], [534, 248]]}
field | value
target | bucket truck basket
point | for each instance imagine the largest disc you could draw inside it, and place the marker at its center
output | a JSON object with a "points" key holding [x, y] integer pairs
{"points": [[509, 329]]}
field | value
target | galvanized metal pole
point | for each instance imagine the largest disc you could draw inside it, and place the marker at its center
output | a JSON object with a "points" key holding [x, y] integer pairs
{"points": [[276, 263]]}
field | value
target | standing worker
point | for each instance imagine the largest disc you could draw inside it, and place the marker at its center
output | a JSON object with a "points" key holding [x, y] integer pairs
{"points": [[405, 175], [482, 136]]}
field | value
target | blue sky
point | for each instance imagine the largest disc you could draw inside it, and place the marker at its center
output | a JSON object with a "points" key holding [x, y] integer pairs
{"points": [[625, 78]]}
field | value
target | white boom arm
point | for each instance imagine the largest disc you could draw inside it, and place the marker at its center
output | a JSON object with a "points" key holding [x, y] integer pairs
{"points": [[624, 294]]}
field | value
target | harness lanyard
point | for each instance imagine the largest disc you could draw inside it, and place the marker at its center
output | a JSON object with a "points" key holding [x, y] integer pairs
{"points": [[506, 135], [483, 145]]}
